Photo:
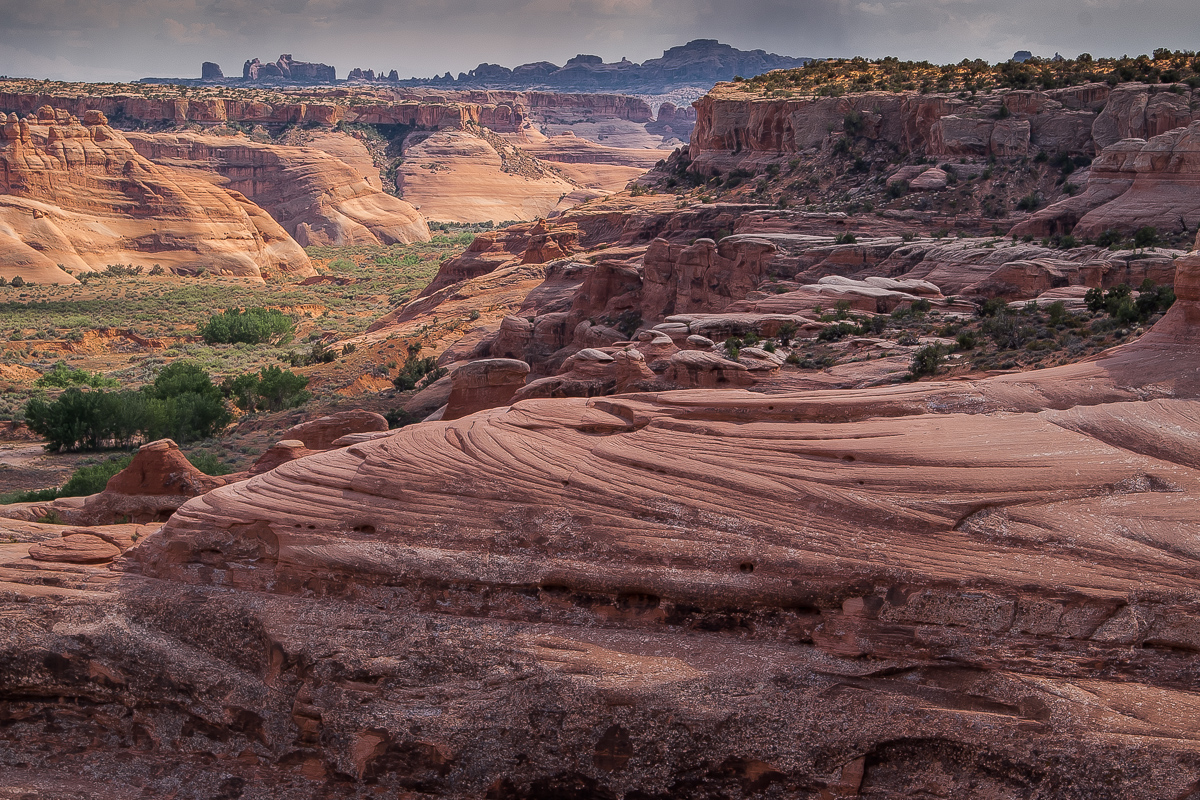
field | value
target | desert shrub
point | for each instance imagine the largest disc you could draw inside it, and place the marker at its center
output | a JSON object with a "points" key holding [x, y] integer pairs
{"points": [[252, 326], [1057, 312], [399, 418], [1146, 236], [417, 372], [845, 238], [966, 340], [182, 404], [84, 481], [1030, 202], [787, 332], [1109, 238], [208, 463], [1007, 331], [927, 361], [992, 307], [833, 333], [271, 389], [17, 282], [61, 376]]}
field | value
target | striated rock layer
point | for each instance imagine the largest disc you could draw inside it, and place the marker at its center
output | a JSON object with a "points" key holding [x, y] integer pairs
{"points": [[1133, 183], [316, 197], [974, 589], [79, 195]]}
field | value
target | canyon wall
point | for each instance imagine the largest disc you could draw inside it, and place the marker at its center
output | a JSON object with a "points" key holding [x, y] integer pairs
{"points": [[77, 194], [732, 127], [318, 199]]}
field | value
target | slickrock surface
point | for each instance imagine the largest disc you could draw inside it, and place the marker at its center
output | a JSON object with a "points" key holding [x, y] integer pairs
{"points": [[971, 589], [78, 194], [314, 195]]}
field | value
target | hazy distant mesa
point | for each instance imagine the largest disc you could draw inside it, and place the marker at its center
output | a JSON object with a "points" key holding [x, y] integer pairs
{"points": [[699, 62]]}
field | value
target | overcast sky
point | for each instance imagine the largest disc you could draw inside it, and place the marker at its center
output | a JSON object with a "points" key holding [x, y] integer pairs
{"points": [[129, 39]]}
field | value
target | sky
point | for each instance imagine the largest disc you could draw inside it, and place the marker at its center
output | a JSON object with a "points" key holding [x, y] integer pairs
{"points": [[113, 40]]}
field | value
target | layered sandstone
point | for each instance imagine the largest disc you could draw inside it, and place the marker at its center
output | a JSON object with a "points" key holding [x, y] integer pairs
{"points": [[79, 195], [972, 587], [459, 176], [1132, 184], [317, 198], [735, 127]]}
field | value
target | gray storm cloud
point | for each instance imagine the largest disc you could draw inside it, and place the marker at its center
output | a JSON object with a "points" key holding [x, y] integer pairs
{"points": [[122, 40]]}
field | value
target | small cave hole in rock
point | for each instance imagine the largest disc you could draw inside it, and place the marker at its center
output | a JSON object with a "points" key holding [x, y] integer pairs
{"points": [[746, 567]]}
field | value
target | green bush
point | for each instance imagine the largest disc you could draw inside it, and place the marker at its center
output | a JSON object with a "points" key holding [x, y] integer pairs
{"points": [[182, 404], [84, 481], [1146, 236], [252, 326], [927, 361], [417, 372], [272, 389], [208, 463], [61, 376]]}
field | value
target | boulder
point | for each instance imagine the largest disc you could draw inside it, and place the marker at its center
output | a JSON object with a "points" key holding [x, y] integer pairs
{"points": [[696, 369], [931, 180], [281, 453], [75, 548], [320, 433], [483, 384]]}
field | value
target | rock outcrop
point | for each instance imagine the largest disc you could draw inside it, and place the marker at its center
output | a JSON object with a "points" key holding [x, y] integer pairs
{"points": [[317, 198], [78, 194], [458, 176], [287, 69], [158, 481], [321, 433], [734, 128], [1132, 184], [699, 63], [484, 384], [950, 586]]}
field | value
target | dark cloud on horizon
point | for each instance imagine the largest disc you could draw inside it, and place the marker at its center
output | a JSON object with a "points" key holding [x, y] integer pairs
{"points": [[128, 39]]}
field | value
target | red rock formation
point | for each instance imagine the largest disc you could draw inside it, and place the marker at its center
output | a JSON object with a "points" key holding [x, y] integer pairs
{"points": [[488, 383], [1133, 183], [734, 128], [967, 587], [281, 452], [80, 195], [317, 198], [320, 433], [158, 481], [702, 277]]}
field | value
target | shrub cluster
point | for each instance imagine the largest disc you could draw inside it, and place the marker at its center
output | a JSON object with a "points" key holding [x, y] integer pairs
{"points": [[272, 389], [182, 404], [417, 372], [252, 326], [61, 377]]}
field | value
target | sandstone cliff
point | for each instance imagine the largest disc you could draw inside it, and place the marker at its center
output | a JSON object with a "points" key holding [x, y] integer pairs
{"points": [[79, 195], [734, 126], [317, 198], [1133, 183]]}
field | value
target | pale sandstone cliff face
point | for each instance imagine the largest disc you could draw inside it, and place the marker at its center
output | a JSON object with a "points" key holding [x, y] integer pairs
{"points": [[317, 198], [944, 588], [80, 195], [458, 176]]}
